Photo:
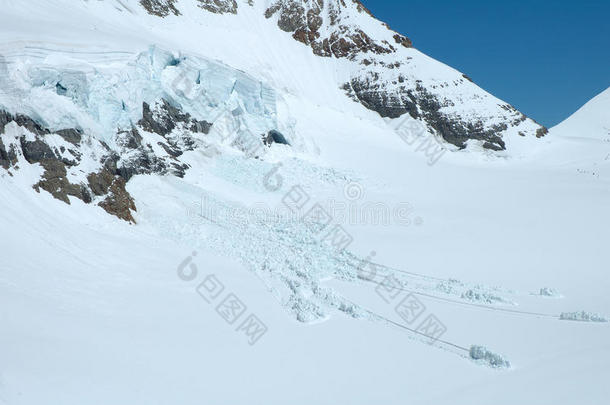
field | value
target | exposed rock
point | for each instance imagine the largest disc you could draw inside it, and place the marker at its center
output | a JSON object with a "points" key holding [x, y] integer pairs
{"points": [[219, 6], [175, 126], [23, 121], [112, 169], [144, 162], [274, 136], [173, 152], [36, 151], [179, 169], [119, 203], [347, 45], [542, 131], [420, 103], [492, 146], [362, 8], [100, 183], [55, 182], [161, 121], [202, 127], [164, 118], [130, 139], [30, 125], [5, 118], [465, 76], [160, 8], [107, 182], [7, 158], [71, 135], [374, 97], [307, 20], [404, 41]]}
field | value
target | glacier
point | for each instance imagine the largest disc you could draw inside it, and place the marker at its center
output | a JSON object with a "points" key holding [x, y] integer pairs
{"points": [[105, 96]]}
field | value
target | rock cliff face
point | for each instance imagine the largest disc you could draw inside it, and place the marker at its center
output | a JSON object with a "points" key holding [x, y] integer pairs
{"points": [[421, 104]]}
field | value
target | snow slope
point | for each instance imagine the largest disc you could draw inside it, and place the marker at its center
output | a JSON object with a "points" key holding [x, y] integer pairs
{"points": [[591, 121], [97, 311], [494, 245]]}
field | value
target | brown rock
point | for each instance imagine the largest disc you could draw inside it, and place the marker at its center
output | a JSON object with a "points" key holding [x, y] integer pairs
{"points": [[119, 202], [55, 182]]}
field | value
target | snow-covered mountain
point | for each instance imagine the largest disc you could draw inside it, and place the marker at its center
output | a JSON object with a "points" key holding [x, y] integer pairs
{"points": [[591, 121], [115, 100], [251, 201]]}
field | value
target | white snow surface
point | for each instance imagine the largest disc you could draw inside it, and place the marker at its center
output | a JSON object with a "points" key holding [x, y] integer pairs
{"points": [[93, 309], [591, 121]]}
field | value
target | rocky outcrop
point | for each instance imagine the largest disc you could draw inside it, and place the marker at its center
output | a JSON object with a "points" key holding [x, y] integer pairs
{"points": [[163, 8], [393, 99], [542, 131], [164, 118], [176, 128], [402, 40], [219, 6], [8, 157], [274, 136], [371, 94], [56, 161], [152, 146], [36, 151], [160, 8], [100, 182], [119, 202], [23, 121], [419, 103], [72, 135], [55, 182], [110, 183], [322, 26]]}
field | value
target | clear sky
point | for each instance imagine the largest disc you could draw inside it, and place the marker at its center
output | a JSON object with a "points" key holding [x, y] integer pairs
{"points": [[545, 57]]}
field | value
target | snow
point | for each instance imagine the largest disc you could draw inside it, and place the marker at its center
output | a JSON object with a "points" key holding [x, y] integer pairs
{"points": [[94, 310], [591, 121]]}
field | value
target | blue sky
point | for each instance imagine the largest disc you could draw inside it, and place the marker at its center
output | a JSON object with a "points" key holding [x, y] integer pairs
{"points": [[546, 57]]}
